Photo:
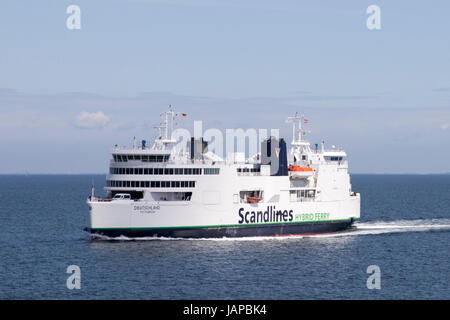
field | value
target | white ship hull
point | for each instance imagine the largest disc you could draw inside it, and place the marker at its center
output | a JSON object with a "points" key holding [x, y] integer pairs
{"points": [[189, 219]]}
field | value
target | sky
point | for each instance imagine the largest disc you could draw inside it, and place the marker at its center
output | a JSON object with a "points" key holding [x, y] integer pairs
{"points": [[67, 96]]}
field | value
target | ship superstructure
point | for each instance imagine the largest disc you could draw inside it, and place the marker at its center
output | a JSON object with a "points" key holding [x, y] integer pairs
{"points": [[160, 190]]}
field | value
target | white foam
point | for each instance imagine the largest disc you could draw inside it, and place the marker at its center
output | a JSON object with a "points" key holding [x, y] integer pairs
{"points": [[397, 226]]}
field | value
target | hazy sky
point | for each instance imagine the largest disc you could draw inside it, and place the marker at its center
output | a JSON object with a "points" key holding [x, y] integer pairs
{"points": [[67, 96]]}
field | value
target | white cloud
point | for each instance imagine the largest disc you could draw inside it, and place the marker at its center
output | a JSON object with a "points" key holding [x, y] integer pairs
{"points": [[445, 126], [91, 120]]}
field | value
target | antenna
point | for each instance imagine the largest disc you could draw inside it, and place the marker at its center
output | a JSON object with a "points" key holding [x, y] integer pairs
{"points": [[93, 191]]}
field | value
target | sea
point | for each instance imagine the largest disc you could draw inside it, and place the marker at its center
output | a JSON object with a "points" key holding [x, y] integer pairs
{"points": [[398, 250]]}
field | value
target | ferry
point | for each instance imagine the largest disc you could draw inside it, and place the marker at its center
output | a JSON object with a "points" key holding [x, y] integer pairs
{"points": [[162, 191]]}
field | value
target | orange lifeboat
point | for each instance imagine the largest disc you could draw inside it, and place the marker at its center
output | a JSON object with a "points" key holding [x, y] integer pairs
{"points": [[297, 168], [253, 199]]}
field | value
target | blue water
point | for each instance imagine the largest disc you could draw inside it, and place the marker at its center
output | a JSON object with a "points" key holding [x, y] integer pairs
{"points": [[405, 230]]}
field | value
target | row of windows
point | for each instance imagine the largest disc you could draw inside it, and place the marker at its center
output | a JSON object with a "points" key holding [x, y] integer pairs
{"points": [[139, 157], [161, 171], [150, 184], [334, 158], [249, 169]]}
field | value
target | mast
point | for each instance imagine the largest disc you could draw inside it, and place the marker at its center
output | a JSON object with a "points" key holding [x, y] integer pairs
{"points": [[166, 129], [299, 145], [298, 133]]}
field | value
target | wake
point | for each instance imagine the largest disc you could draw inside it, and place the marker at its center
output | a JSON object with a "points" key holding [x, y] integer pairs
{"points": [[397, 226]]}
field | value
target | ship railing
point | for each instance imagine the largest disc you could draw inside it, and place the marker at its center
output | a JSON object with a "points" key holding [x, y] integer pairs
{"points": [[99, 199], [341, 163], [319, 150]]}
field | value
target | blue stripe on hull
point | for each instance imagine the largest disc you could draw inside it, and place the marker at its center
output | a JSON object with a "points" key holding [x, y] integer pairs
{"points": [[243, 230]]}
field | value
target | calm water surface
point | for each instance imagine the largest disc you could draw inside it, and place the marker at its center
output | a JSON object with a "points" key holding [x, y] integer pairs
{"points": [[404, 229]]}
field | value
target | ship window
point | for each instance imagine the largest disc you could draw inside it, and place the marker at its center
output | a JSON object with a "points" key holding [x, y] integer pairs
{"points": [[130, 157], [334, 158], [145, 158], [124, 158], [115, 157], [212, 171], [147, 184], [141, 171]]}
